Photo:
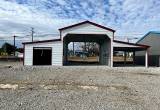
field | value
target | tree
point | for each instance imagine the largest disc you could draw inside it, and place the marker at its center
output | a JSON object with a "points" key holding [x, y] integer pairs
{"points": [[8, 48], [91, 47]]}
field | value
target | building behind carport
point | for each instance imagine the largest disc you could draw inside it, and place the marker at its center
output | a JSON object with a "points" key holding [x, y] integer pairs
{"points": [[152, 39]]}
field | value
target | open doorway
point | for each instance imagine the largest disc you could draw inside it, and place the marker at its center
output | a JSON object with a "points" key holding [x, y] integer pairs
{"points": [[42, 56]]}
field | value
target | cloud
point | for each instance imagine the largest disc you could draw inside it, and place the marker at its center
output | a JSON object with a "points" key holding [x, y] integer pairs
{"points": [[19, 18], [134, 17], [127, 17]]}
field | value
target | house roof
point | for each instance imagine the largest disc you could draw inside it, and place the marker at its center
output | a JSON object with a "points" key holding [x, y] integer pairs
{"points": [[150, 32], [92, 23], [141, 45], [52, 40]]}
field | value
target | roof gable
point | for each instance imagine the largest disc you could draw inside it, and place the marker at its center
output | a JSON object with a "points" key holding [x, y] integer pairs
{"points": [[89, 22], [150, 32]]}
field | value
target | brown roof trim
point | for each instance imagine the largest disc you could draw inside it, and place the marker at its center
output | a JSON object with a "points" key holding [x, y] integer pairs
{"points": [[144, 46], [95, 24], [43, 41]]}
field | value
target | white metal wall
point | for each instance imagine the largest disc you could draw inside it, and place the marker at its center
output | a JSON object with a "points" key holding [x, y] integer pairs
{"points": [[86, 29], [57, 52]]}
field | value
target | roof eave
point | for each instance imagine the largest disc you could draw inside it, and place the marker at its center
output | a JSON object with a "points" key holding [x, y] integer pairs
{"points": [[145, 46], [43, 41]]}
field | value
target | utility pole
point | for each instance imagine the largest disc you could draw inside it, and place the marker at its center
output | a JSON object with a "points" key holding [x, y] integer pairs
{"points": [[73, 48], [14, 43], [32, 32]]}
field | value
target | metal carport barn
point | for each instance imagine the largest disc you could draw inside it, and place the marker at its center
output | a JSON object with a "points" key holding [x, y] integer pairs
{"points": [[85, 31]]}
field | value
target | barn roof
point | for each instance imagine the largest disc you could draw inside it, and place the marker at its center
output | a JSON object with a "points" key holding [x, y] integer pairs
{"points": [[150, 32], [140, 45], [43, 41], [89, 22]]}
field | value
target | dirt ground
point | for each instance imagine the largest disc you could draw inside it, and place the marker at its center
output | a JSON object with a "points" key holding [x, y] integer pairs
{"points": [[78, 88]]}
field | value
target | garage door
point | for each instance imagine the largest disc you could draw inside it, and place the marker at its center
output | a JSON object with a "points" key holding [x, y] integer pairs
{"points": [[42, 56]]}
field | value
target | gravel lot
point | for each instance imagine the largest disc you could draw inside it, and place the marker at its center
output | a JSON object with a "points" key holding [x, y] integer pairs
{"points": [[78, 88]]}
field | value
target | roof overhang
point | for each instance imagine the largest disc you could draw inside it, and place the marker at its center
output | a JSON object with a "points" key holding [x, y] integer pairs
{"points": [[125, 46], [43, 41]]}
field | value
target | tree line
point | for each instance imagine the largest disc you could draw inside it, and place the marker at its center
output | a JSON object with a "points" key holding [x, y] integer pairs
{"points": [[8, 49]]}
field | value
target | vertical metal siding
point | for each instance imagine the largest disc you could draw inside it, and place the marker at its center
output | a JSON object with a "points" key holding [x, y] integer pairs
{"points": [[57, 52], [87, 29]]}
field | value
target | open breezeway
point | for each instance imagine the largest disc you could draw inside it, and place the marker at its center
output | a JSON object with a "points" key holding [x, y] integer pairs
{"points": [[102, 40]]}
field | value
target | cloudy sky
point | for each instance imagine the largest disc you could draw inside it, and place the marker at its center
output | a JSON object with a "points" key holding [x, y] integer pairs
{"points": [[128, 17]]}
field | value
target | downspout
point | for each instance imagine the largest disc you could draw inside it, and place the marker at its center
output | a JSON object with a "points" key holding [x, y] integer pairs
{"points": [[23, 54], [111, 60], [62, 45]]}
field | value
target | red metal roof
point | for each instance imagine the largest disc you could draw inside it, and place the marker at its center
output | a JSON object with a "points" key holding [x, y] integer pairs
{"points": [[95, 24], [53, 40]]}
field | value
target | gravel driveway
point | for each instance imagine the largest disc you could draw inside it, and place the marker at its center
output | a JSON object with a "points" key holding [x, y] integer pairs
{"points": [[79, 88]]}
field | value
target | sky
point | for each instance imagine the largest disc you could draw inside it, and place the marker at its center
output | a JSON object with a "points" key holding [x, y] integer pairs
{"points": [[130, 18]]}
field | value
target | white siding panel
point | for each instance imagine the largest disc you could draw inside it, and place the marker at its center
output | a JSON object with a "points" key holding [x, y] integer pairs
{"points": [[87, 29], [28, 55], [57, 52]]}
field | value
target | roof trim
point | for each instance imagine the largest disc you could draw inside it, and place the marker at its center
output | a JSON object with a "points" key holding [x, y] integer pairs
{"points": [[95, 24], [144, 46], [150, 32], [43, 41]]}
